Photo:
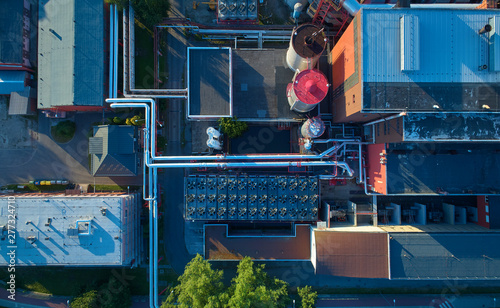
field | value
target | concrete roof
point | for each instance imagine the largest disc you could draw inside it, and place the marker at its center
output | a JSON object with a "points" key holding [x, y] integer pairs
{"points": [[113, 150], [209, 82], [420, 168], [60, 243], [352, 254], [451, 126], [70, 53], [445, 256], [220, 246], [245, 83]]}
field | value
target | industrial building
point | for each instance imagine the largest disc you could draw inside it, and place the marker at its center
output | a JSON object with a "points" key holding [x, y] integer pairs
{"points": [[71, 56], [114, 150], [17, 51], [421, 109], [60, 230]]}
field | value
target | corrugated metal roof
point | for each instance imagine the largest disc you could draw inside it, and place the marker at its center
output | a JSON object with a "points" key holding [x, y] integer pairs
{"points": [[445, 256], [95, 145], [113, 151], [450, 47], [70, 53], [11, 81], [112, 235]]}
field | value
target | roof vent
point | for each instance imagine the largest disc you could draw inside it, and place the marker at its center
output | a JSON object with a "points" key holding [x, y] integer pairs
{"points": [[49, 221], [410, 43]]}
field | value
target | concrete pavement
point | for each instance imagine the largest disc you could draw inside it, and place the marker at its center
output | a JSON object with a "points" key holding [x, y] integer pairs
{"points": [[47, 159]]}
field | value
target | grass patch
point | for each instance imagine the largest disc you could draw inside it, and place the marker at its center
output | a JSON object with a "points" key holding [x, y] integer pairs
{"points": [[63, 132], [112, 188], [66, 281], [37, 188]]}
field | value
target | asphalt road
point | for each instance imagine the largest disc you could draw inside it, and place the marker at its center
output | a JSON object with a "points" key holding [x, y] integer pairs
{"points": [[172, 179]]}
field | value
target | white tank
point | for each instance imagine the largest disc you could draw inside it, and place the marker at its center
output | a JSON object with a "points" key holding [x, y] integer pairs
{"points": [[306, 46], [313, 128], [307, 89]]}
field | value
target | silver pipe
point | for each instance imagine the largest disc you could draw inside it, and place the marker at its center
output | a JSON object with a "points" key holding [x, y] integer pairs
{"points": [[272, 164], [115, 71], [111, 51], [386, 119], [353, 6]]}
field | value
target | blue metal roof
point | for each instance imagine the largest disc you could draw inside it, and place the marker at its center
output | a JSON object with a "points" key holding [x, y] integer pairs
{"points": [[70, 53], [448, 46], [11, 81]]}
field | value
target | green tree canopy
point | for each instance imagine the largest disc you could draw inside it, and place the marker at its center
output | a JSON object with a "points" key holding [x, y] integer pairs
{"points": [[232, 127], [86, 300], [199, 286], [253, 288], [307, 298]]}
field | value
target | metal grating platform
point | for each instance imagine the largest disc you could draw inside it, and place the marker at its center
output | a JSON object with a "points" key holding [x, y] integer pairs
{"points": [[251, 198]]}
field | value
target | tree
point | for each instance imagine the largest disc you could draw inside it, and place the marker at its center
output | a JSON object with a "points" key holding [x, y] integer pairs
{"points": [[307, 298], [86, 300], [232, 127], [199, 286], [253, 288]]}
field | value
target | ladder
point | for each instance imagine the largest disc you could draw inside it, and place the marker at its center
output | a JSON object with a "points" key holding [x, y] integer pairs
{"points": [[324, 7]]}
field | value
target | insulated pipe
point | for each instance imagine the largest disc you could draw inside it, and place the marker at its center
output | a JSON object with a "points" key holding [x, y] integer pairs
{"points": [[111, 49], [115, 73], [272, 164], [353, 6], [122, 103]]}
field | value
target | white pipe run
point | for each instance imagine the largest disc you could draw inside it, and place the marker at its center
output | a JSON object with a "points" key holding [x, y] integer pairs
{"points": [[212, 157]]}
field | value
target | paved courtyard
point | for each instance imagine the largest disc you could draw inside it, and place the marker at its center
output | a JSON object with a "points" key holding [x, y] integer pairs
{"points": [[27, 151]]}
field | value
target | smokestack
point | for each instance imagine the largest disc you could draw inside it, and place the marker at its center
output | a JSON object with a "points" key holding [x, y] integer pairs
{"points": [[486, 28]]}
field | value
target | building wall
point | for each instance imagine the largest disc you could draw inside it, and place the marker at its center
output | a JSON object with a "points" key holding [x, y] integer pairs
{"points": [[376, 171], [389, 131]]}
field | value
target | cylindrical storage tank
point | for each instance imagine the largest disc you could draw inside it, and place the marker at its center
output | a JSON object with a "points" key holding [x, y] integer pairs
{"points": [[308, 89], [313, 128], [306, 46]]}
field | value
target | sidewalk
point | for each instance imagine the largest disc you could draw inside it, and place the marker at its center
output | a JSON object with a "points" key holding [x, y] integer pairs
{"points": [[26, 299]]}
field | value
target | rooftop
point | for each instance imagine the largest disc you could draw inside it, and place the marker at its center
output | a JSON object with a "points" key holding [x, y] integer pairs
{"points": [[53, 230], [245, 83], [11, 36], [71, 53], [220, 246], [445, 256], [415, 59], [449, 168], [451, 126], [113, 150], [209, 82], [352, 254]]}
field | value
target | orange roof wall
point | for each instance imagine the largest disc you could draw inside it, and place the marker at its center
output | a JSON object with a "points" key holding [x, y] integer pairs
{"points": [[376, 172]]}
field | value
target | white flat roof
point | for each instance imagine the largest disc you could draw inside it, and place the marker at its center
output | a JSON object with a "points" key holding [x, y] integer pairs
{"points": [[59, 243]]}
